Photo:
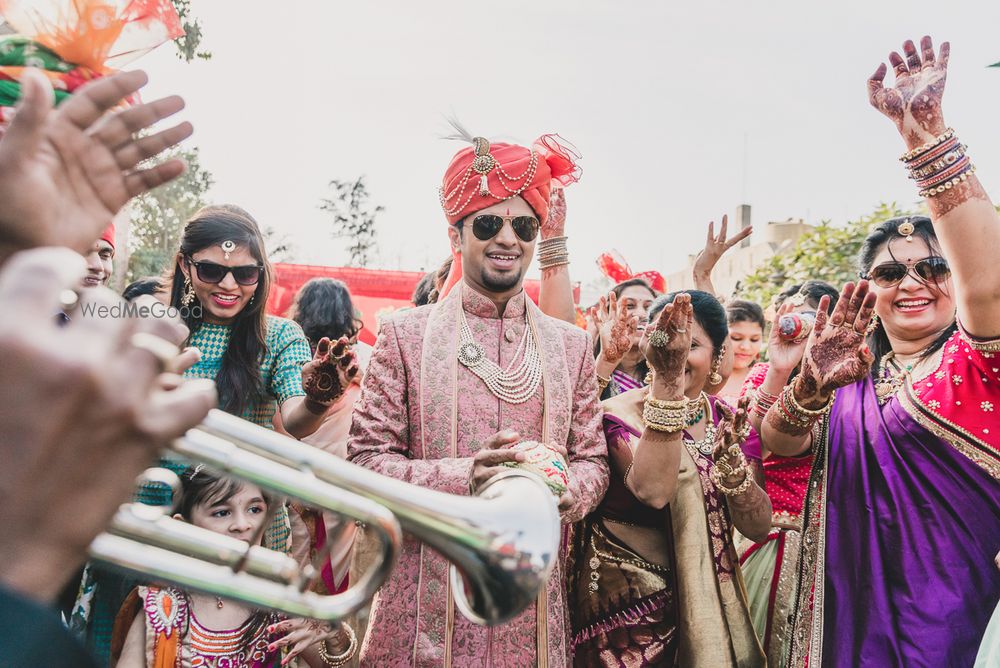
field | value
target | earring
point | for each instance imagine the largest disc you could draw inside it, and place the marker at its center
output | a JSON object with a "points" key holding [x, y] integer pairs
{"points": [[714, 378], [188, 296], [872, 326], [648, 380]]}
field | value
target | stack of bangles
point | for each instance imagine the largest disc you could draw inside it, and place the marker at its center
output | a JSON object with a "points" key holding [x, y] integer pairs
{"points": [[795, 414], [345, 656], [762, 402], [722, 469], [668, 417], [939, 165], [552, 253]]}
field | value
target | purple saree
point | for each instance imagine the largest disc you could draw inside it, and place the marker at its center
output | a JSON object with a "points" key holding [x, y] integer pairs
{"points": [[901, 530]]}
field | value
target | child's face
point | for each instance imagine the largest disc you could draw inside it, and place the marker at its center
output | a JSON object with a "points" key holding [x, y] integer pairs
{"points": [[239, 516]]}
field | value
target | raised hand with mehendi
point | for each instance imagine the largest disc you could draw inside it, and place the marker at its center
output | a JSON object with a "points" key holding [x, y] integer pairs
{"points": [[618, 330], [668, 362], [913, 104], [836, 353]]}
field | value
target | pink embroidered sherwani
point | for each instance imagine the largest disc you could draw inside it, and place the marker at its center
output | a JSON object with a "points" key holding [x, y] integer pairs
{"points": [[421, 418]]}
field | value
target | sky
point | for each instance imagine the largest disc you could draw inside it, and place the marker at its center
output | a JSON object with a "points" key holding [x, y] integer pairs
{"points": [[682, 111]]}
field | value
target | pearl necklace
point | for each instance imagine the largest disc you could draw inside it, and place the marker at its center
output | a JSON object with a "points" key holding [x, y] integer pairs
{"points": [[515, 385]]}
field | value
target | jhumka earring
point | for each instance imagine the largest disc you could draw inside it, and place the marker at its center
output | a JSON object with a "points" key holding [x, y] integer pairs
{"points": [[648, 380], [188, 295], [228, 246], [714, 378]]}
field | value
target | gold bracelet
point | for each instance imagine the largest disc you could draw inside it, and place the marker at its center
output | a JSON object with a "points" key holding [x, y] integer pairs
{"points": [[667, 405], [346, 655], [715, 475], [667, 420], [602, 384], [798, 408]]}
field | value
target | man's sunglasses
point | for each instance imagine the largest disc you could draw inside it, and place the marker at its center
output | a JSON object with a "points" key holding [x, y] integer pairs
{"points": [[928, 270], [486, 226], [210, 272]]}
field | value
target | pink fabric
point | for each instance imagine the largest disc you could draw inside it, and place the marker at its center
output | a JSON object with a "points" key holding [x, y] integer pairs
{"points": [[415, 363]]}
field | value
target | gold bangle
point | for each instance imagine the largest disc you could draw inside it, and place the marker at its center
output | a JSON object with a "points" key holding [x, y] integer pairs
{"points": [[602, 384], [716, 477], [678, 404], [805, 412], [343, 657]]}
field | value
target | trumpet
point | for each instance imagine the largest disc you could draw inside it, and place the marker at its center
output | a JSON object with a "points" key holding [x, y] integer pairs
{"points": [[502, 543]]}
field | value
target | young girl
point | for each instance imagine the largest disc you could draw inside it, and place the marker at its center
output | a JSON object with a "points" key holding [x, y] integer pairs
{"points": [[164, 626]]}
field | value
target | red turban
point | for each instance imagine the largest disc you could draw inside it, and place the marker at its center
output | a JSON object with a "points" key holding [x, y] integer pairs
{"points": [[483, 174], [109, 235], [614, 266]]}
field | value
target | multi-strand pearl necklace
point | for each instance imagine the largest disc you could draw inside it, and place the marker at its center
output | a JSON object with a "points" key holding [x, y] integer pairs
{"points": [[515, 384]]}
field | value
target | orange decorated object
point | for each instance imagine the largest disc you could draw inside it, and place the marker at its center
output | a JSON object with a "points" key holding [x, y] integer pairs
{"points": [[614, 266], [101, 35]]}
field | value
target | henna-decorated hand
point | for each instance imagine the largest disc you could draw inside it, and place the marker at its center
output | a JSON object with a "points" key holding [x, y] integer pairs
{"points": [[555, 223], [716, 246], [618, 330], [676, 321], [914, 103], [301, 634], [836, 353], [732, 430], [331, 370], [781, 354]]}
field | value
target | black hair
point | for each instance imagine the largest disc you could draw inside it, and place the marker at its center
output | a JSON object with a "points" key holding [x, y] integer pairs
{"points": [[791, 290], [148, 285], [439, 279], [708, 311], [740, 310], [323, 307], [239, 381], [877, 239], [199, 486], [422, 291], [816, 290]]}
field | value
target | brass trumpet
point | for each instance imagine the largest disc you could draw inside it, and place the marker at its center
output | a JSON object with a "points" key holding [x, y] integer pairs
{"points": [[502, 544]]}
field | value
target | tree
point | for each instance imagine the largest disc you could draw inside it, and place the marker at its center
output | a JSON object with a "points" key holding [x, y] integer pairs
{"points": [[354, 218], [187, 45], [158, 217], [828, 253], [279, 246]]}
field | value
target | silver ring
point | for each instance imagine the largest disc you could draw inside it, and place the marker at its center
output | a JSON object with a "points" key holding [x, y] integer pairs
{"points": [[659, 339]]}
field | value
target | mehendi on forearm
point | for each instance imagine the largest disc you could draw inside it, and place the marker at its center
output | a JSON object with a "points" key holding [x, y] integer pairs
{"points": [[949, 200], [751, 513]]}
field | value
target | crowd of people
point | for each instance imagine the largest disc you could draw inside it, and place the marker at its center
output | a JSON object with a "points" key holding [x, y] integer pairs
{"points": [[837, 504]]}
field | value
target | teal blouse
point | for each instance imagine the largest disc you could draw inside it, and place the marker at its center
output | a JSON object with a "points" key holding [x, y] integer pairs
{"points": [[280, 369]]}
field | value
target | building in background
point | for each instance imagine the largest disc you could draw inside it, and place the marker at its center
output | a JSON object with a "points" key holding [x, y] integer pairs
{"points": [[771, 239]]}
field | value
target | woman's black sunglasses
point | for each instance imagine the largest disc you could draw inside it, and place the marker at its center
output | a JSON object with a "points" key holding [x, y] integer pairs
{"points": [[486, 226], [928, 270], [210, 272]]}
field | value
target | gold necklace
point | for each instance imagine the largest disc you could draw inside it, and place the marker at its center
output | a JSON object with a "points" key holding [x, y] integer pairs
{"points": [[891, 378], [706, 444]]}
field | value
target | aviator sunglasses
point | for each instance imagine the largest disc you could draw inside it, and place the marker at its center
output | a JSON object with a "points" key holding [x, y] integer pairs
{"points": [[486, 226], [928, 270], [210, 272]]}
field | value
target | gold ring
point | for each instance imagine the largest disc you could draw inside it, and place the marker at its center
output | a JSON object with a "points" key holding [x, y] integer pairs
{"points": [[164, 351], [659, 339]]}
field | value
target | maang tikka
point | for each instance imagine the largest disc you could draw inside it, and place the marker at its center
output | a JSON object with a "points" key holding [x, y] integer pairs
{"points": [[228, 246]]}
